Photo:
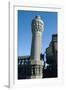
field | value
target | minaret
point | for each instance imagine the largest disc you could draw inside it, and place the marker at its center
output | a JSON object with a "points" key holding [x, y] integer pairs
{"points": [[36, 63]]}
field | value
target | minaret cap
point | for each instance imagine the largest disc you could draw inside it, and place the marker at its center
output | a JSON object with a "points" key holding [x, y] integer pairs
{"points": [[38, 17]]}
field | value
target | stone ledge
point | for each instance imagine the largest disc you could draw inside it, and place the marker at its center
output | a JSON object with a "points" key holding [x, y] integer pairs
{"points": [[37, 62]]}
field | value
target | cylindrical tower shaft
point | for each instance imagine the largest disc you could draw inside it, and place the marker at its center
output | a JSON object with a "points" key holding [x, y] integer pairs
{"points": [[36, 47]]}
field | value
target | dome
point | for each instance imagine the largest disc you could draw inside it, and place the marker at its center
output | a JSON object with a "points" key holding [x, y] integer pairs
{"points": [[38, 17]]}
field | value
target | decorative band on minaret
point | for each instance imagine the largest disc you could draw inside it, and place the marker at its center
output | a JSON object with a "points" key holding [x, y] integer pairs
{"points": [[36, 63]]}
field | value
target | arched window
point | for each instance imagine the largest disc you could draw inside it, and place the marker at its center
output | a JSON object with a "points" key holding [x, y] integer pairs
{"points": [[20, 61]]}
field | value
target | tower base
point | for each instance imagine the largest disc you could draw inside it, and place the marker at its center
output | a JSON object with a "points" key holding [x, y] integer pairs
{"points": [[36, 71], [36, 77]]}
